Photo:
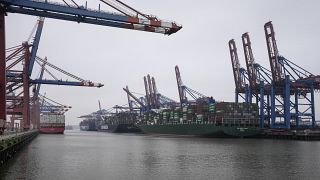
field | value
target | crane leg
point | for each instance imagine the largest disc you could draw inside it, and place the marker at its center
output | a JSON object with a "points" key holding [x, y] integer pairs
{"points": [[2, 73]]}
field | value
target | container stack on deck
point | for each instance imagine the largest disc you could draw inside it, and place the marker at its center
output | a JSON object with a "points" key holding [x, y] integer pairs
{"points": [[220, 112], [52, 123]]}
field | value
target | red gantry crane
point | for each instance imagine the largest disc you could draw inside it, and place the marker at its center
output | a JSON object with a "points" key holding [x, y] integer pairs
{"points": [[158, 100], [239, 73], [18, 71], [127, 17]]}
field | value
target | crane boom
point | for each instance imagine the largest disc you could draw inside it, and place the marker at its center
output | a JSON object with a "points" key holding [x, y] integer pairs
{"points": [[182, 96], [129, 101], [75, 13], [147, 92], [82, 14], [60, 82], [273, 52], [235, 65], [150, 91], [134, 97], [65, 83], [37, 89], [249, 60], [155, 92], [59, 69], [35, 44]]}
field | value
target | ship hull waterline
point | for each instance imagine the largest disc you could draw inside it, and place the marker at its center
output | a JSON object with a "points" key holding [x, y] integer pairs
{"points": [[206, 130], [120, 128], [51, 130]]}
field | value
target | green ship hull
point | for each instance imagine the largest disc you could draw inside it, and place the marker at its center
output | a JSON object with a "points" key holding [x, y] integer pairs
{"points": [[210, 130]]}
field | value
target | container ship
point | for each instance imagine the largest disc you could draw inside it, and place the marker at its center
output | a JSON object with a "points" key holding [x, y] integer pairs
{"points": [[221, 119], [88, 124], [120, 122], [51, 123]]}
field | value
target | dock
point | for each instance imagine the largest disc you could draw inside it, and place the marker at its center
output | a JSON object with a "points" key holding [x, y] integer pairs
{"points": [[11, 143], [291, 134]]}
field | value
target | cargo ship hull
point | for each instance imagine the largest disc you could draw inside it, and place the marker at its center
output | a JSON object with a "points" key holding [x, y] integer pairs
{"points": [[219, 119], [209, 130], [88, 125], [84, 128], [52, 130], [108, 128], [119, 128]]}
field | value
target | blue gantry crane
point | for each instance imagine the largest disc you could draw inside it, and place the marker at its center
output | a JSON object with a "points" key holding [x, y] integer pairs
{"points": [[184, 90], [260, 81], [155, 99], [55, 81], [295, 85], [48, 105], [136, 103], [151, 100], [285, 93]]}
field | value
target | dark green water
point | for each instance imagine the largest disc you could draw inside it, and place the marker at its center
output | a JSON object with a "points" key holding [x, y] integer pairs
{"points": [[92, 155]]}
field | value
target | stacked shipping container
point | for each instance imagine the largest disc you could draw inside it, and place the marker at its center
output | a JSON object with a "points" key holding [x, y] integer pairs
{"points": [[213, 113], [52, 123]]}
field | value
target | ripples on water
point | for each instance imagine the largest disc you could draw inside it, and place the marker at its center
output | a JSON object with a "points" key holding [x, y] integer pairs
{"points": [[96, 155]]}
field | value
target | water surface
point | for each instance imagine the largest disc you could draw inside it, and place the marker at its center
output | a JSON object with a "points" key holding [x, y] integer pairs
{"points": [[96, 155]]}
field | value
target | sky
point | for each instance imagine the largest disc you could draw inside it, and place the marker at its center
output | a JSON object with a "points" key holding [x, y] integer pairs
{"points": [[119, 57]]}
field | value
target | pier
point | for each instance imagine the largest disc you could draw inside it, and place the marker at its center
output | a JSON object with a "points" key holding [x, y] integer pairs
{"points": [[11, 143]]}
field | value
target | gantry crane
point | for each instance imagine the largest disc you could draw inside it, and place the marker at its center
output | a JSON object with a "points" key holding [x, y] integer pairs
{"points": [[290, 81], [136, 103], [18, 88], [286, 92], [17, 85], [128, 18], [148, 98], [158, 100], [259, 82], [252, 73], [129, 100], [155, 94], [45, 65], [19, 80], [182, 93], [48, 105], [151, 93], [152, 99], [184, 90], [55, 81], [142, 105], [239, 73]]}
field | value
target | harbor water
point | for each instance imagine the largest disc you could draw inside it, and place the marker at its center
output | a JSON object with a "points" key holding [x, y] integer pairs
{"points": [[96, 155]]}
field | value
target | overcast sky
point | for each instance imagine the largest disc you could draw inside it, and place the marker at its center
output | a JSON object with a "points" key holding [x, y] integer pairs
{"points": [[120, 57]]}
